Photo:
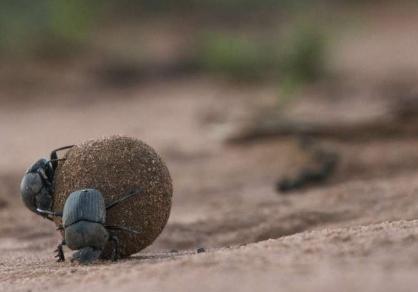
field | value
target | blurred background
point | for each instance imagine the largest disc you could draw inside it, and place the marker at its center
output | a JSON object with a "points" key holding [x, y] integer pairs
{"points": [[300, 113]]}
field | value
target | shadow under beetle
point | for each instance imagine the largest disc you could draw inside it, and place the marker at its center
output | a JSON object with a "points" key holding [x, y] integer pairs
{"points": [[84, 225], [36, 187]]}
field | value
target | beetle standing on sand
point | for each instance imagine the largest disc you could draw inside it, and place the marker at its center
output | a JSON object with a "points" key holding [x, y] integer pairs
{"points": [[36, 186], [83, 223]]}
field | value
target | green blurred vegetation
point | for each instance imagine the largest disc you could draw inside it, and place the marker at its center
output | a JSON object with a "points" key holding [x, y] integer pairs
{"points": [[209, 6], [297, 57], [64, 27], [28, 26], [53, 26], [235, 57]]}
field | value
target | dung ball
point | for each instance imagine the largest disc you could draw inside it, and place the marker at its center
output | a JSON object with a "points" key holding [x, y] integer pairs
{"points": [[116, 166]]}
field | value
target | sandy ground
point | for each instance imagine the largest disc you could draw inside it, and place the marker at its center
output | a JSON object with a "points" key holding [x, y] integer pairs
{"points": [[356, 233]]}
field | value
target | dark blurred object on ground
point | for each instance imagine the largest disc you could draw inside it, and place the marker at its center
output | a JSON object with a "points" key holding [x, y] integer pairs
{"points": [[400, 120], [324, 163]]}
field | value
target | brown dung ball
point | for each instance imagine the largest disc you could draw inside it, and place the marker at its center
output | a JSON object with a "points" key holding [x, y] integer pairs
{"points": [[116, 166]]}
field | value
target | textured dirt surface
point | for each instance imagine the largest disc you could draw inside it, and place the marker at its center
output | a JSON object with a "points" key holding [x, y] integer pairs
{"points": [[356, 233]]}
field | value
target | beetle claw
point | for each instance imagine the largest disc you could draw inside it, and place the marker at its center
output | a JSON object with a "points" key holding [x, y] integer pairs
{"points": [[60, 252], [59, 258]]}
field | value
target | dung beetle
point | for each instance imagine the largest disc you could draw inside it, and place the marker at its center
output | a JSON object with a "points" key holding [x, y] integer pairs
{"points": [[36, 186], [84, 225]]}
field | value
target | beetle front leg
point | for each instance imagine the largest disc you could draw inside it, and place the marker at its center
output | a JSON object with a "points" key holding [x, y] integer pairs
{"points": [[60, 252], [129, 195], [115, 250]]}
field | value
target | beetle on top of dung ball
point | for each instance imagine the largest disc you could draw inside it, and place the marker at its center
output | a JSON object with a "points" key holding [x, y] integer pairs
{"points": [[86, 194], [36, 188]]}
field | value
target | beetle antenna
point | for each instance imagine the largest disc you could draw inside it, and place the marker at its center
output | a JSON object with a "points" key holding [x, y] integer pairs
{"points": [[131, 194]]}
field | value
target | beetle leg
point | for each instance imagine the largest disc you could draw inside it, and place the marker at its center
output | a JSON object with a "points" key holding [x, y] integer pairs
{"points": [[47, 213], [46, 180], [54, 152], [114, 227], [44, 214], [54, 157], [60, 252], [115, 251], [44, 177], [131, 194]]}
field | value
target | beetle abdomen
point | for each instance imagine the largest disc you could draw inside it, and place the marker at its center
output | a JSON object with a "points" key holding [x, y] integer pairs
{"points": [[86, 234], [84, 205]]}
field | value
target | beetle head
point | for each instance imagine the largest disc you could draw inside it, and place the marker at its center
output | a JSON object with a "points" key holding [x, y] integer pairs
{"points": [[86, 255]]}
